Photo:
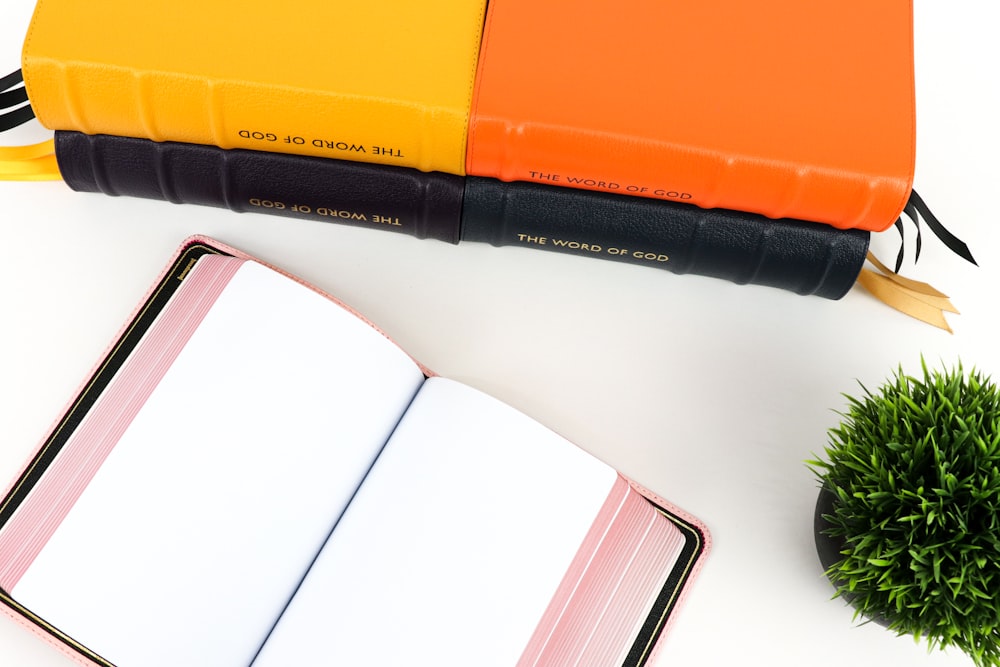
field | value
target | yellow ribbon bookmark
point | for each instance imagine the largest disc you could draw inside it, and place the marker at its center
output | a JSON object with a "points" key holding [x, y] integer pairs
{"points": [[34, 162], [911, 297], [29, 152]]}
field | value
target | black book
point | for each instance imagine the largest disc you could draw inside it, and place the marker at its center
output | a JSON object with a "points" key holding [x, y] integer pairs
{"points": [[803, 257]]}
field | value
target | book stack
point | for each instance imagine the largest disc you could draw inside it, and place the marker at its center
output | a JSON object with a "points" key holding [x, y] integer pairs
{"points": [[756, 144]]}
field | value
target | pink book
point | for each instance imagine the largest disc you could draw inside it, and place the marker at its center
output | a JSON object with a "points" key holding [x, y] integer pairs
{"points": [[255, 475]]}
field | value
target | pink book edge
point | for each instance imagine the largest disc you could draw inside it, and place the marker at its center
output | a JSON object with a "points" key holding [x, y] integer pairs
{"points": [[696, 566]]}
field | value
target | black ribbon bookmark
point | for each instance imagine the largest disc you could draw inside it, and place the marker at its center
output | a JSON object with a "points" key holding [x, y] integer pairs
{"points": [[16, 117], [13, 97], [11, 80], [12, 94], [916, 210]]}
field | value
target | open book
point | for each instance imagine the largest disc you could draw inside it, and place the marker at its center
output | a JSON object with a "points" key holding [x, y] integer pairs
{"points": [[255, 475]]}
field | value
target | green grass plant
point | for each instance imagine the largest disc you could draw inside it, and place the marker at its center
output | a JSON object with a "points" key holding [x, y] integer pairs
{"points": [[915, 471]]}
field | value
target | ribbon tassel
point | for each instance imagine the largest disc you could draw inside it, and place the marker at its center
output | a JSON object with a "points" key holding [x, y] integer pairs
{"points": [[910, 297], [916, 210]]}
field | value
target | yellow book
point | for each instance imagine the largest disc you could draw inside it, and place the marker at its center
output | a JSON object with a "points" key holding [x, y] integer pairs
{"points": [[380, 81]]}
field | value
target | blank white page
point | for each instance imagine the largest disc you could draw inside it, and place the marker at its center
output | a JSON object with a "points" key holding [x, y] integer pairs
{"points": [[186, 545], [453, 547]]}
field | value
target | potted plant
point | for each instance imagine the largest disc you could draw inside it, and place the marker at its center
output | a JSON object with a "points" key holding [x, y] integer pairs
{"points": [[908, 518]]}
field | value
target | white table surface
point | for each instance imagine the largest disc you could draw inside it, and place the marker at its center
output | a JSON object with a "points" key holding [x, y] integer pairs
{"points": [[710, 393]]}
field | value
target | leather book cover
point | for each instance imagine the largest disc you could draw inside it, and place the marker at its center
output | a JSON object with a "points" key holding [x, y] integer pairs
{"points": [[784, 108], [394, 199], [743, 248], [740, 247], [387, 82]]}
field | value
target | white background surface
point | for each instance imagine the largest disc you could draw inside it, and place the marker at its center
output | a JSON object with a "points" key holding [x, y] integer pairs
{"points": [[710, 393]]}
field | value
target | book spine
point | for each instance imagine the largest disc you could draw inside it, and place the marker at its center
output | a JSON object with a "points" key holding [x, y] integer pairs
{"points": [[386, 82], [397, 199], [165, 107], [803, 257], [691, 174]]}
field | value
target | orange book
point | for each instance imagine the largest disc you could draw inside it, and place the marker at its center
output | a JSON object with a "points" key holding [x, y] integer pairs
{"points": [[784, 108]]}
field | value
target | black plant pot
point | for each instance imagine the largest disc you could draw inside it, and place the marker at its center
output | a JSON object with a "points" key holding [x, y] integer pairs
{"points": [[829, 547]]}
